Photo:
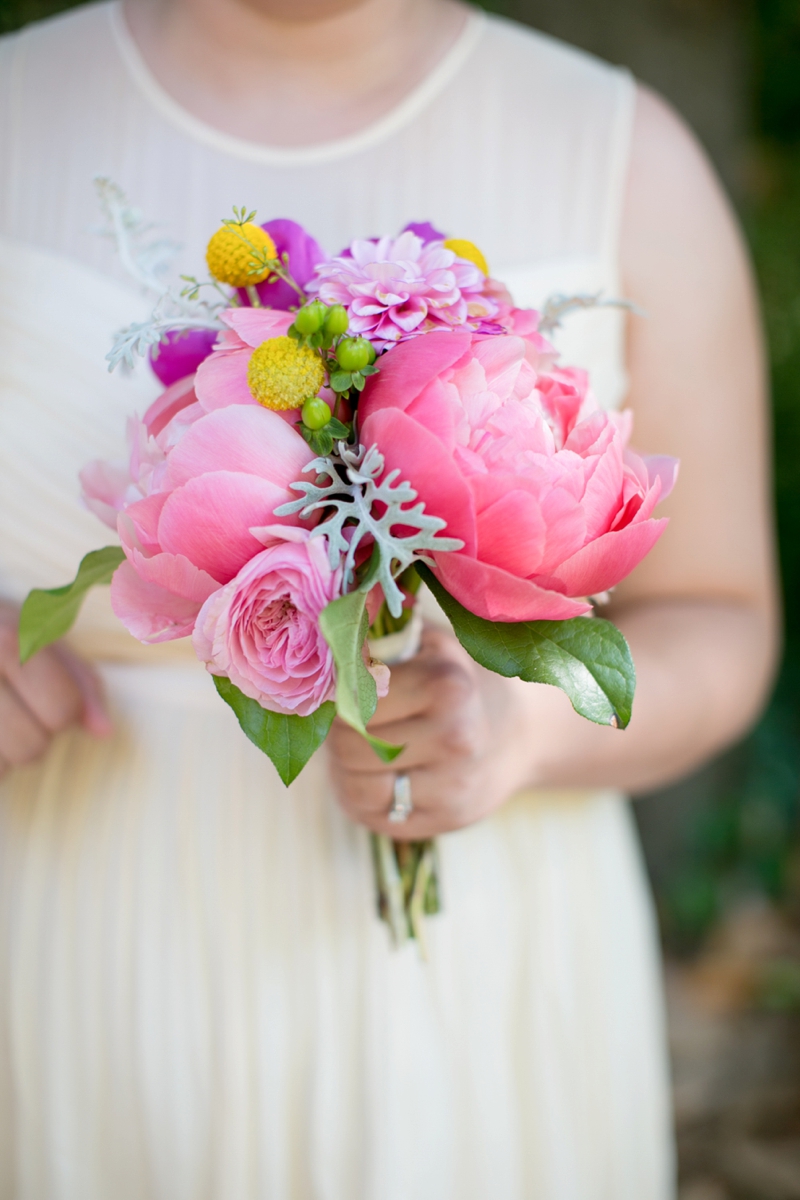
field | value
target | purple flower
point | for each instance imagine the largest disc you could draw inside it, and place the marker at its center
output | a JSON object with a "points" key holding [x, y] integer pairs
{"points": [[426, 231], [304, 254], [396, 288], [181, 353]]}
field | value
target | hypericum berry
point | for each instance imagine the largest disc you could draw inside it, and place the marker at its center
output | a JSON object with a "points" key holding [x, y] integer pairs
{"points": [[468, 250], [354, 353], [316, 413], [310, 318], [336, 320], [230, 254], [282, 374]]}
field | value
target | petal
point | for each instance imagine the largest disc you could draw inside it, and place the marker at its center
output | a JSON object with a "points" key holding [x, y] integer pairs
{"points": [[246, 438], [222, 380], [257, 325], [663, 467], [512, 533], [147, 610], [140, 520], [405, 369], [209, 520], [417, 455], [180, 353], [496, 595], [603, 563], [170, 402]]}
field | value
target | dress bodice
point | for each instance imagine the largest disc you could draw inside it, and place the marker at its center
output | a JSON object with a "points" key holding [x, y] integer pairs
{"points": [[514, 141]]}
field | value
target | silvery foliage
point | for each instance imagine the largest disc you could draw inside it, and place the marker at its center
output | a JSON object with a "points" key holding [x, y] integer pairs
{"points": [[559, 306], [147, 260], [353, 493]]}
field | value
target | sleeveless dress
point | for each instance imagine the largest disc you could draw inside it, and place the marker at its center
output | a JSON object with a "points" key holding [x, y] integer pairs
{"points": [[197, 1001]]}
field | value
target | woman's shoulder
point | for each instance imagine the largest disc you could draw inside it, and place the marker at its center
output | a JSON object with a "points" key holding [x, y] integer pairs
{"points": [[518, 52], [67, 42]]}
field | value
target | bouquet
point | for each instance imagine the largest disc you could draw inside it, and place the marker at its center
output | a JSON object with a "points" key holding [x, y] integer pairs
{"points": [[335, 431]]}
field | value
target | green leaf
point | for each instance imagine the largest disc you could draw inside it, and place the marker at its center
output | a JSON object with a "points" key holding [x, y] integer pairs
{"points": [[370, 370], [588, 659], [288, 740], [358, 381], [321, 442], [337, 429], [47, 615], [340, 381], [344, 625]]}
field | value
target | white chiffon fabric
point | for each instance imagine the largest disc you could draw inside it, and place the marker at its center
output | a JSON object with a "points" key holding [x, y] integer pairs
{"points": [[197, 1001]]}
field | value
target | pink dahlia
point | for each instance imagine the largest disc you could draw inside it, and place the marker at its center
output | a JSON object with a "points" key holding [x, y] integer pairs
{"points": [[396, 288]]}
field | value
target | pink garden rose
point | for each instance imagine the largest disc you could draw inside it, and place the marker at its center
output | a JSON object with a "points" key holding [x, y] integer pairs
{"points": [[397, 288], [515, 456], [262, 630], [197, 482]]}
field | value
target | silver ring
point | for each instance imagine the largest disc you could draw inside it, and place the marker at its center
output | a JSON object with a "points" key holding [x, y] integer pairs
{"points": [[401, 806]]}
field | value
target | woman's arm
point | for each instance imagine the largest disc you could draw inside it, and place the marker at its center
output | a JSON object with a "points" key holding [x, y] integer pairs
{"points": [[700, 612]]}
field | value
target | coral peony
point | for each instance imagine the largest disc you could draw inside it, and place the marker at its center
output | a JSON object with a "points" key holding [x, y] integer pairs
{"points": [[262, 629], [397, 288], [515, 456]]}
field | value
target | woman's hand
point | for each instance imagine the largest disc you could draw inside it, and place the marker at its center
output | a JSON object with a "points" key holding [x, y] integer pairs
{"points": [[462, 731], [52, 691]]}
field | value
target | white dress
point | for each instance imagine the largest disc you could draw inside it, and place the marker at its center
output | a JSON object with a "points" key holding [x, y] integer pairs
{"points": [[197, 1001]]}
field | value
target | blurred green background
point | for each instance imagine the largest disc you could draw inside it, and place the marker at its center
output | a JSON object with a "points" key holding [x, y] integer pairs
{"points": [[732, 67]]}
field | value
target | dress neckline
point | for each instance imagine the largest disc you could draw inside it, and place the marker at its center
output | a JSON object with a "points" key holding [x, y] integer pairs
{"points": [[377, 131]]}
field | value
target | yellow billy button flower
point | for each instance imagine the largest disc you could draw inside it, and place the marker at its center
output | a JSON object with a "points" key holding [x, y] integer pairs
{"points": [[282, 375], [468, 250], [230, 254]]}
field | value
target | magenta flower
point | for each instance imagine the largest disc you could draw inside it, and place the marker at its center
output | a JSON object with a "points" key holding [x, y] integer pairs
{"points": [[304, 255], [262, 629], [426, 231], [180, 353], [397, 288]]}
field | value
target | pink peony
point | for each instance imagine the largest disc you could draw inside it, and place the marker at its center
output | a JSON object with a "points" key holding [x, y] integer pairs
{"points": [[196, 484], [397, 288], [262, 630], [515, 456]]}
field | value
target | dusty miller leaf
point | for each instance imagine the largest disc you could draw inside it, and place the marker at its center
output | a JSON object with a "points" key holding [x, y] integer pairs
{"points": [[349, 500]]}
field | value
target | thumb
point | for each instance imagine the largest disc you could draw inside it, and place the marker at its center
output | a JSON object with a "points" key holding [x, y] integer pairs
{"points": [[96, 719]]}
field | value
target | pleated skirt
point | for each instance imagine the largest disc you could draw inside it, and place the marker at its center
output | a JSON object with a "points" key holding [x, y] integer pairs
{"points": [[197, 1001]]}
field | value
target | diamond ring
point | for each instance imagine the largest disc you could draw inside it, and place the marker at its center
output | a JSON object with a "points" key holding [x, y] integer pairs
{"points": [[401, 806]]}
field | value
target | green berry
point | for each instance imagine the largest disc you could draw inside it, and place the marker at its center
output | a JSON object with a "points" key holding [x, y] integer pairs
{"points": [[316, 413], [310, 318], [337, 320], [354, 353]]}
